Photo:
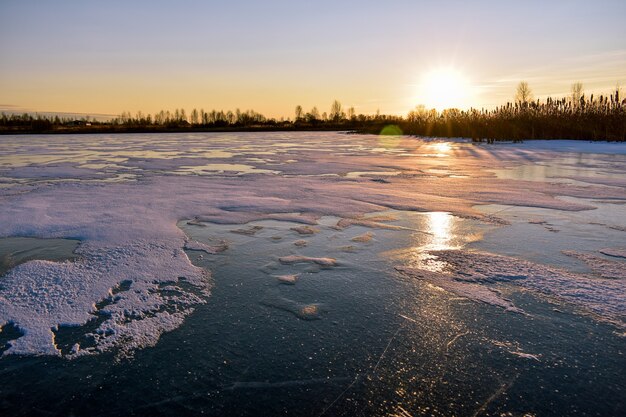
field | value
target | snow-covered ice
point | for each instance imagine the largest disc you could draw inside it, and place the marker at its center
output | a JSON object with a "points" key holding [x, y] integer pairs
{"points": [[122, 196]]}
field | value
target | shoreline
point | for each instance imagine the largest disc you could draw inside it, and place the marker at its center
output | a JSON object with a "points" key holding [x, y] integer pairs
{"points": [[252, 129]]}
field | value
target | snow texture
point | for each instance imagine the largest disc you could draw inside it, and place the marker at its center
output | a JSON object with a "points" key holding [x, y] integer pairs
{"points": [[40, 296], [603, 267], [122, 196], [473, 275], [464, 289], [296, 259]]}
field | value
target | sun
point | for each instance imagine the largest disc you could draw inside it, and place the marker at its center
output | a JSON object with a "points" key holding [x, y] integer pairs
{"points": [[444, 88]]}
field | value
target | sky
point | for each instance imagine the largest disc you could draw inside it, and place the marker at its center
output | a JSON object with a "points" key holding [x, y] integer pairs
{"points": [[95, 57]]}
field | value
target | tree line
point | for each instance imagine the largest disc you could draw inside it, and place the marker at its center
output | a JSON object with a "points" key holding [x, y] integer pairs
{"points": [[576, 116]]}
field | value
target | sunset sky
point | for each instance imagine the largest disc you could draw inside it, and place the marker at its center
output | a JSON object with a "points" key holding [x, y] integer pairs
{"points": [[107, 57]]}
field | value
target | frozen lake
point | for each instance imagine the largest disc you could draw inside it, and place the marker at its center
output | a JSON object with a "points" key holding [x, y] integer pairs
{"points": [[311, 274]]}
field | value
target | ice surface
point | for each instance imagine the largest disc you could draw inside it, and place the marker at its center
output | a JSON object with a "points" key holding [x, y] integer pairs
{"points": [[577, 146], [264, 385], [366, 222], [52, 187], [514, 349], [17, 250], [613, 182], [525, 355], [65, 170]]}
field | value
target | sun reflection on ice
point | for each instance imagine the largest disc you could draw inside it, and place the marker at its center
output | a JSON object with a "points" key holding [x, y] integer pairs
{"points": [[439, 226], [432, 232], [437, 233], [440, 149], [443, 147]]}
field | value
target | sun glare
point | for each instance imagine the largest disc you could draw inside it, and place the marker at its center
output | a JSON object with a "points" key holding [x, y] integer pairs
{"points": [[443, 147], [444, 88]]}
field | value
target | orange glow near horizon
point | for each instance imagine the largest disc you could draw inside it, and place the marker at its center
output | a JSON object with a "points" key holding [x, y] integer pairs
{"points": [[90, 60]]}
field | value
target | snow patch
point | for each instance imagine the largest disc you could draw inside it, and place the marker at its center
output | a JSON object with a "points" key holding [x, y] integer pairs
{"points": [[468, 290], [469, 274], [615, 252], [39, 296], [305, 230], [203, 247], [364, 238], [296, 259], [302, 311], [605, 268], [290, 279]]}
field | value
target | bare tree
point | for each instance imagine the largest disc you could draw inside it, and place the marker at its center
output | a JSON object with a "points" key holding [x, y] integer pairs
{"points": [[351, 113], [232, 117], [194, 117], [336, 111], [159, 118], [299, 112], [577, 93], [523, 95]]}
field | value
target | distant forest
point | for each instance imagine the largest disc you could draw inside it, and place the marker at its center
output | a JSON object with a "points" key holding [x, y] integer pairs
{"points": [[574, 117]]}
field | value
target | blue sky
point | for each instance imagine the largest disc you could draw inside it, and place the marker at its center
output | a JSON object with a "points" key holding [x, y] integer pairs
{"points": [[108, 57]]}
